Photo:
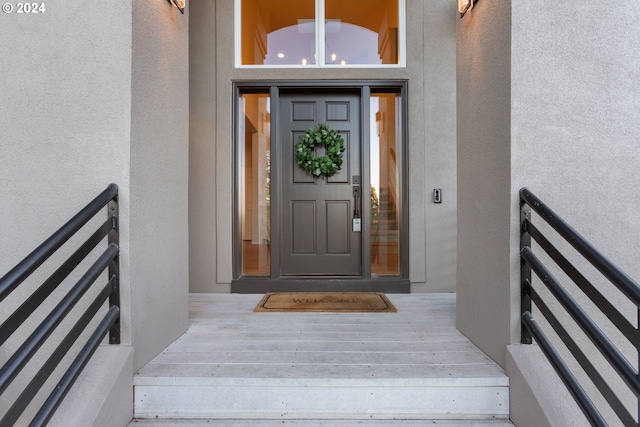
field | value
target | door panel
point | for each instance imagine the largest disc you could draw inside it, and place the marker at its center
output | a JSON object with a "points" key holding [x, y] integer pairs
{"points": [[303, 230], [342, 176], [338, 234], [317, 212]]}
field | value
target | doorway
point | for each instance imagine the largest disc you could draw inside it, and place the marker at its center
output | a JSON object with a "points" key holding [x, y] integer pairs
{"points": [[298, 231]]}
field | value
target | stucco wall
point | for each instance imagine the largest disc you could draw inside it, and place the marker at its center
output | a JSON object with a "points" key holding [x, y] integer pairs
{"points": [[65, 132], [485, 293], [64, 117], [431, 82], [537, 396], [575, 109], [547, 98], [159, 177], [574, 117], [439, 145], [202, 146], [77, 113]]}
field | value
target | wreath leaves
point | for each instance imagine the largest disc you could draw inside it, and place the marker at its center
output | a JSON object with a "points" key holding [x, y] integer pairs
{"points": [[326, 165]]}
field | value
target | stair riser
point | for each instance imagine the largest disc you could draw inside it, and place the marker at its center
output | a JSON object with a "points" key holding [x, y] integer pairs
{"points": [[323, 402]]}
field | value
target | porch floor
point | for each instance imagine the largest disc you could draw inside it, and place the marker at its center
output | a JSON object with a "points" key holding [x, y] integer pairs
{"points": [[234, 364]]}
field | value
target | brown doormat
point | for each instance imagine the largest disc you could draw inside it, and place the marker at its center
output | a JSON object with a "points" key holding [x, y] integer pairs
{"points": [[326, 301]]}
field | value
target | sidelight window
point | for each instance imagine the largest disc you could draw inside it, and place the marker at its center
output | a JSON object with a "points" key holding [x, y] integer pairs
{"points": [[320, 33], [254, 183], [385, 192]]}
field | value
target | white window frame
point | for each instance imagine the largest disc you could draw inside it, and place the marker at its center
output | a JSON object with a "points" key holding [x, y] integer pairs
{"points": [[320, 63]]}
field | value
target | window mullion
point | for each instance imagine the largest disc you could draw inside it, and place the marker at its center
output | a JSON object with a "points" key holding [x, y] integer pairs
{"points": [[320, 35]]}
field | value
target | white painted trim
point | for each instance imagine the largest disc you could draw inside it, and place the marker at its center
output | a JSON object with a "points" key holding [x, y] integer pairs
{"points": [[320, 34], [402, 33], [237, 33], [326, 66]]}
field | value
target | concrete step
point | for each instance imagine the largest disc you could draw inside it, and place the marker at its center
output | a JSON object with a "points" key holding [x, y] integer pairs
{"points": [[234, 364], [319, 423], [321, 398]]}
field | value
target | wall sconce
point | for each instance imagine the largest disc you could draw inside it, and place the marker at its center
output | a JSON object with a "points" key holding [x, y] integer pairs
{"points": [[180, 4], [464, 6]]}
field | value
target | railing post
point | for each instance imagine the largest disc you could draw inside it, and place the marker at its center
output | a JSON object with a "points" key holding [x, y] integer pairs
{"points": [[525, 272], [114, 268]]}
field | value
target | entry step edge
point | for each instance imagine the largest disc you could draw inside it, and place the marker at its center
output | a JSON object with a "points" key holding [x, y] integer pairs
{"points": [[499, 381], [232, 422]]}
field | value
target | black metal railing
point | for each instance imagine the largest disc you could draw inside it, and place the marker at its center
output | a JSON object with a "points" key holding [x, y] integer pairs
{"points": [[627, 286], [110, 323]]}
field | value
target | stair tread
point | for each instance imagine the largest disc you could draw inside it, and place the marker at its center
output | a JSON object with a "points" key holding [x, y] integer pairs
{"points": [[295, 358], [285, 376]]}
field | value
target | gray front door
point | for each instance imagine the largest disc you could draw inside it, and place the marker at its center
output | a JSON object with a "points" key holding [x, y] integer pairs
{"points": [[316, 224]]}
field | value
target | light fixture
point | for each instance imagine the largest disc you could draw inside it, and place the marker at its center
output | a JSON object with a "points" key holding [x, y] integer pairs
{"points": [[464, 5], [333, 54], [180, 4], [280, 55]]}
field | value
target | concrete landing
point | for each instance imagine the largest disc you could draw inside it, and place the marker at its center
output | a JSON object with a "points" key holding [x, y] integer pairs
{"points": [[306, 368]]}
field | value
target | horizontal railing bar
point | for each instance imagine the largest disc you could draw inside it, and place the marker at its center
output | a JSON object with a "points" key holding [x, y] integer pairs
{"points": [[619, 278], [608, 350], [20, 358], [58, 354], [62, 388], [588, 408], [29, 264], [14, 321], [621, 322], [593, 374]]}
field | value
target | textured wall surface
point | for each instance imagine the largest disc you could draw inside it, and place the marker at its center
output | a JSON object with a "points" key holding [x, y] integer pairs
{"points": [[64, 136], [159, 177], [202, 146], [484, 301], [531, 380], [575, 109], [430, 73], [548, 99], [65, 118], [575, 117], [78, 113], [439, 142]]}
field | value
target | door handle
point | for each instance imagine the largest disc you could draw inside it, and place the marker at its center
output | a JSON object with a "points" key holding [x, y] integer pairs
{"points": [[356, 198], [357, 222]]}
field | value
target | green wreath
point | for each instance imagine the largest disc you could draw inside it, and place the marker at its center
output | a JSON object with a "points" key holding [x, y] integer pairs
{"points": [[326, 165]]}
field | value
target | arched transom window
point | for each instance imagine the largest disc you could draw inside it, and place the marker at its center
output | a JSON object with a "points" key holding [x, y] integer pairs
{"points": [[320, 33]]}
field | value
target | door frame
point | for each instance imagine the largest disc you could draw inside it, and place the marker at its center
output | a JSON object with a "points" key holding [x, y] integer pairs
{"points": [[275, 282]]}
